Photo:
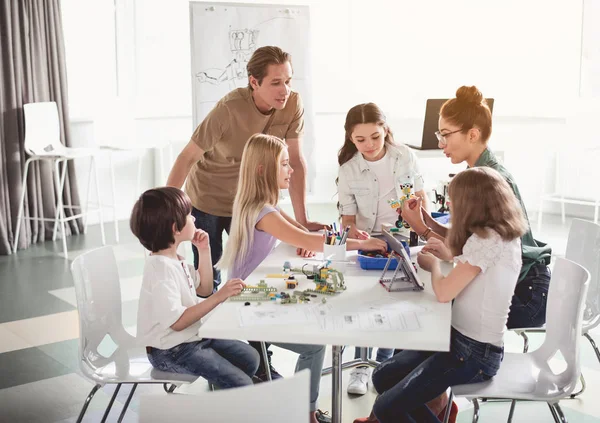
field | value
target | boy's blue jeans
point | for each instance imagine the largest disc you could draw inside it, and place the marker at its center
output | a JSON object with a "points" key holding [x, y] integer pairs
{"points": [[224, 363], [410, 379]]}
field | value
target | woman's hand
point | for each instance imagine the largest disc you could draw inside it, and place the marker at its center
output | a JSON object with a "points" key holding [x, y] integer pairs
{"points": [[427, 261], [438, 248], [304, 253], [412, 213]]}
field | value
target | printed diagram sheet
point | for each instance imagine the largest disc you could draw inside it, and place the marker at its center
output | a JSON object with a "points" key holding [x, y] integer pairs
{"points": [[275, 314], [373, 321], [401, 316]]}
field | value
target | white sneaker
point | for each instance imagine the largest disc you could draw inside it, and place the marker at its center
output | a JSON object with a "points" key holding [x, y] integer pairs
{"points": [[359, 381]]}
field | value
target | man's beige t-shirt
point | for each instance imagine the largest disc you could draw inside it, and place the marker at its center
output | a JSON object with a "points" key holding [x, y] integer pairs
{"points": [[212, 182]]}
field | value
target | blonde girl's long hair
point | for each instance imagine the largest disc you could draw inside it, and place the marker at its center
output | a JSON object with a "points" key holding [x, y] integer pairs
{"points": [[481, 199], [258, 186]]}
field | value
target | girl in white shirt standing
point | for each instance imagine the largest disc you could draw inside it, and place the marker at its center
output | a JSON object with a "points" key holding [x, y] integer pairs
{"points": [[169, 312], [373, 170], [484, 241]]}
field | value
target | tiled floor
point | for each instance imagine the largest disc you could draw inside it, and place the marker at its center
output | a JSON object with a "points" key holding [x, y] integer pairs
{"points": [[39, 330]]}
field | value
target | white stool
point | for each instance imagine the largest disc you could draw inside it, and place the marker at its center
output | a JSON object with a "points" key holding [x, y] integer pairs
{"points": [[42, 142]]}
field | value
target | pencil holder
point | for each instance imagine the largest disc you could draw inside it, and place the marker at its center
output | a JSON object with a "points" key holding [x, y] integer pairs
{"points": [[337, 255]]}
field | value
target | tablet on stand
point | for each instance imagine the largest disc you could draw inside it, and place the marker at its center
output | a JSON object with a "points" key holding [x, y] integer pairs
{"points": [[404, 276]]}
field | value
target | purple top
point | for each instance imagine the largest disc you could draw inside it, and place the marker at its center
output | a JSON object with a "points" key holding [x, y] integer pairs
{"points": [[261, 247]]}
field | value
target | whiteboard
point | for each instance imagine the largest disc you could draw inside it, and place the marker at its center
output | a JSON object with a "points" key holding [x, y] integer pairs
{"points": [[224, 36]]}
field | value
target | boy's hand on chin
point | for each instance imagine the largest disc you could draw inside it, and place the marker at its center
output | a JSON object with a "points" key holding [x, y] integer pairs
{"points": [[201, 240]]}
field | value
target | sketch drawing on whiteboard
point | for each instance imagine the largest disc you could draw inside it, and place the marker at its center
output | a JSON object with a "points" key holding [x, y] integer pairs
{"points": [[242, 43]]}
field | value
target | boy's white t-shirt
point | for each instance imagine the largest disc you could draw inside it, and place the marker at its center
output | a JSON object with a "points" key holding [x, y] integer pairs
{"points": [[480, 311], [168, 289], [384, 171]]}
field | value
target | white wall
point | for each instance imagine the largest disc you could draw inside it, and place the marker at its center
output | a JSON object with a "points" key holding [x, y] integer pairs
{"points": [[394, 52]]}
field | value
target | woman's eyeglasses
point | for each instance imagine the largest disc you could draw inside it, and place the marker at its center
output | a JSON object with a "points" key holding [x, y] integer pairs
{"points": [[442, 137]]}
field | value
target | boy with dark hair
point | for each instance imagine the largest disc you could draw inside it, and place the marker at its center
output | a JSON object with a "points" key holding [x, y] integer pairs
{"points": [[170, 311]]}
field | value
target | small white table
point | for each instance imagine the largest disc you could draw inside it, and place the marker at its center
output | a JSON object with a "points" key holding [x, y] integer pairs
{"points": [[362, 287]]}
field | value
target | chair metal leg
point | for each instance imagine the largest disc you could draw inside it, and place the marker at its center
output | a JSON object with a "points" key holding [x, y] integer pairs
{"points": [[582, 380], [588, 336], [553, 411], [558, 413], [60, 210], [87, 198], [21, 206], [169, 389], [449, 406], [265, 356], [97, 183], [87, 402], [110, 404], [63, 217], [513, 404], [127, 403], [58, 197], [475, 410], [525, 341]]}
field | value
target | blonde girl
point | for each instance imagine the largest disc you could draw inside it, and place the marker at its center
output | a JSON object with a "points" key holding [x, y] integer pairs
{"points": [[257, 223]]}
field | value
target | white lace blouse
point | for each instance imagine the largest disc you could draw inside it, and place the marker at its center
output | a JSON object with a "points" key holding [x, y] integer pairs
{"points": [[480, 311]]}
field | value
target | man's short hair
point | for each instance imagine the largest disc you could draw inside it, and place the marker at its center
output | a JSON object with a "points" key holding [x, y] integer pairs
{"points": [[261, 59], [156, 214]]}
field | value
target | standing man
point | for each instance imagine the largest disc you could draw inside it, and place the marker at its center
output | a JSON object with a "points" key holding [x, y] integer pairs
{"points": [[211, 159]]}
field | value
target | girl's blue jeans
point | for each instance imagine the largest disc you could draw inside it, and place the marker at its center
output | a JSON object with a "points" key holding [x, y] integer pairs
{"points": [[410, 379]]}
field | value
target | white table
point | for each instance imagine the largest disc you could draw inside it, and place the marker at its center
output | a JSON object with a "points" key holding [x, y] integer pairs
{"points": [[362, 287]]}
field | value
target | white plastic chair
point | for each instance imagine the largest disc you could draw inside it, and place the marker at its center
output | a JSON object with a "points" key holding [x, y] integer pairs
{"points": [[42, 142], [283, 400], [98, 292], [530, 376], [583, 247]]}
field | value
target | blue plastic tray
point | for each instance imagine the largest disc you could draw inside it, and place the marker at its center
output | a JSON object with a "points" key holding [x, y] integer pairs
{"points": [[378, 263]]}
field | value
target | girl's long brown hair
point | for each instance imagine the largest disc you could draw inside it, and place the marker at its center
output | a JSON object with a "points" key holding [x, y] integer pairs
{"points": [[362, 113], [481, 199]]}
